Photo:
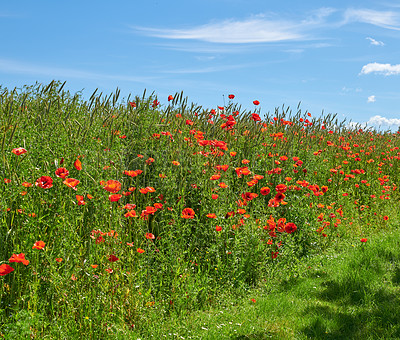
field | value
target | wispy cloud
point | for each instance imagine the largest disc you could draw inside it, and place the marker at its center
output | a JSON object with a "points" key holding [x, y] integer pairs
{"points": [[16, 67], [385, 69], [371, 99], [258, 29], [385, 19], [375, 42]]}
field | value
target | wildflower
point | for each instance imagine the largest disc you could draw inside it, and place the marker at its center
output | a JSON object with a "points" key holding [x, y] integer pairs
{"points": [[44, 182], [71, 182], [385, 217], [19, 151], [265, 191], [62, 173], [78, 164], [5, 269], [149, 236], [364, 240], [176, 163], [140, 250], [112, 186], [94, 266], [211, 215], [59, 259], [113, 258], [26, 184], [188, 213], [218, 228], [19, 258], [39, 245], [281, 188], [231, 96], [170, 97], [132, 104], [131, 213], [255, 117], [214, 196], [256, 102], [290, 227]]}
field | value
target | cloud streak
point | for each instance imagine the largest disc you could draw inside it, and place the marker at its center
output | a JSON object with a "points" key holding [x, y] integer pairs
{"points": [[384, 19], [375, 42], [385, 69]]}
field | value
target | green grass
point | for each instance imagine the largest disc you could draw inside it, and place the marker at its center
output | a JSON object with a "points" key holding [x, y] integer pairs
{"points": [[211, 231]]}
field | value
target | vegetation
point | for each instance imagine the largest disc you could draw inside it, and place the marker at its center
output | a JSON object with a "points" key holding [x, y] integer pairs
{"points": [[139, 219]]}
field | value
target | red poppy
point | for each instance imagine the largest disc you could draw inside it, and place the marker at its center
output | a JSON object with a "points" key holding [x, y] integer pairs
{"points": [[71, 182], [26, 184], [364, 240], [59, 259], [132, 104], [112, 186], [256, 102], [113, 258], [114, 197], [19, 151], [214, 196], [231, 96], [279, 197], [149, 236], [170, 97], [131, 213], [130, 173], [281, 188], [255, 117], [265, 191], [19, 258], [218, 228], [140, 250], [44, 182], [62, 173], [78, 164], [211, 216], [385, 218], [5, 269], [290, 227], [39, 245], [187, 213]]}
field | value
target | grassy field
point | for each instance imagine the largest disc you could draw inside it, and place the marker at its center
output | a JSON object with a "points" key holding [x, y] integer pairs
{"points": [[152, 217]]}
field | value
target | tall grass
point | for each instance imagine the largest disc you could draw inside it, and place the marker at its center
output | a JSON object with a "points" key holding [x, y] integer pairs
{"points": [[206, 201]]}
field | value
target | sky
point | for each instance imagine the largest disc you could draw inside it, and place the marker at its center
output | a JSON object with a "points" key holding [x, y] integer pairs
{"points": [[340, 57]]}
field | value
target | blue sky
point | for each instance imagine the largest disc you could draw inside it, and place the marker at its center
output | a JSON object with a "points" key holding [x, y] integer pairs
{"points": [[334, 56]]}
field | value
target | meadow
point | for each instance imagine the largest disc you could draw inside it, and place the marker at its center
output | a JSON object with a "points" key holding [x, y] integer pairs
{"points": [[151, 217]]}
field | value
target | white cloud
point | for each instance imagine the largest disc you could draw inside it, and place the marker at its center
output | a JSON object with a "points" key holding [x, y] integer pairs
{"points": [[375, 42], [385, 19], [383, 121], [377, 122], [258, 29], [385, 69], [371, 99]]}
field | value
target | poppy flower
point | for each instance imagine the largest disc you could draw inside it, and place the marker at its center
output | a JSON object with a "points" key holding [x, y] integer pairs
{"points": [[170, 97], [62, 173], [385, 218], [19, 258], [140, 250], [281, 188], [188, 213], [59, 259], [131, 213], [290, 227], [71, 182], [26, 184], [94, 266], [78, 165], [149, 236], [256, 102], [19, 151], [5, 269], [44, 182], [39, 245], [113, 258], [255, 117], [130, 173], [265, 191], [114, 197], [364, 240], [132, 104], [218, 228], [231, 96], [112, 186], [211, 216], [214, 196]]}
